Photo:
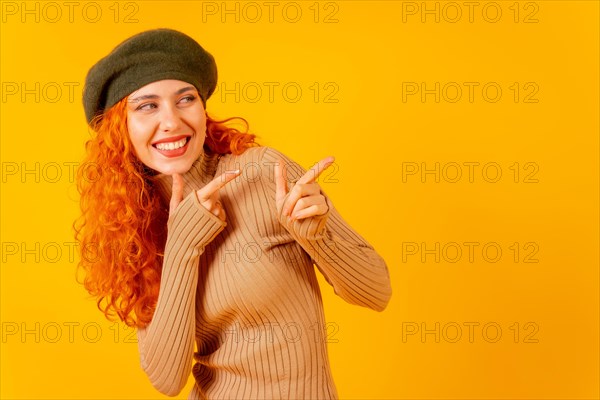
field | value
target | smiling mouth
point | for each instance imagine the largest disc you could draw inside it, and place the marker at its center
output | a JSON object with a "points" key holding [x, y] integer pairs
{"points": [[172, 145], [174, 148]]}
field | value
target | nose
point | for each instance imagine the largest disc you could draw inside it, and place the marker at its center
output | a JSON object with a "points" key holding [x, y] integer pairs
{"points": [[169, 119]]}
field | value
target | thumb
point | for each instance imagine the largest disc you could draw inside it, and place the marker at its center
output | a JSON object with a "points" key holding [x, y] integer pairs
{"points": [[177, 192]]}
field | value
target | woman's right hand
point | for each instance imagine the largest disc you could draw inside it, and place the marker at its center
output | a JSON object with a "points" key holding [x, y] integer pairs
{"points": [[208, 195]]}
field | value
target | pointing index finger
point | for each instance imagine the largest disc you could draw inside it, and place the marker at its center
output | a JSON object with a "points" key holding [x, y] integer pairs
{"points": [[217, 183], [312, 174]]}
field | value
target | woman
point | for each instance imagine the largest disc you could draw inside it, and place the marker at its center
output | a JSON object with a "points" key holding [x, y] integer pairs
{"points": [[200, 236]]}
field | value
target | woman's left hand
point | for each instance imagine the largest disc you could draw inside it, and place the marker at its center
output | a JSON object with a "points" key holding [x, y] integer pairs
{"points": [[305, 199]]}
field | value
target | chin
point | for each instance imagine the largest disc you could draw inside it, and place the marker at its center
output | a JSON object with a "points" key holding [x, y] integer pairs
{"points": [[174, 168]]}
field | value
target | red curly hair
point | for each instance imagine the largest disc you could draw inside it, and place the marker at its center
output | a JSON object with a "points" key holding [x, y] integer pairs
{"points": [[122, 227]]}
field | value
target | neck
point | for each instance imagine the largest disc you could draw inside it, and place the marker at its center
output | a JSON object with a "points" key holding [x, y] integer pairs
{"points": [[202, 171]]}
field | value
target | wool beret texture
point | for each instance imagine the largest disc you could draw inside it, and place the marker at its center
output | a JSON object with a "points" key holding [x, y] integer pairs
{"points": [[144, 58]]}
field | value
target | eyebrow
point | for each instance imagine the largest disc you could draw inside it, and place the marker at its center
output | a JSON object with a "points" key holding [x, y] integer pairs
{"points": [[154, 96]]}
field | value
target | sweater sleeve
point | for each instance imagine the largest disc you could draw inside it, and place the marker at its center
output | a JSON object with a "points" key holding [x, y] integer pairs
{"points": [[166, 345], [348, 262]]}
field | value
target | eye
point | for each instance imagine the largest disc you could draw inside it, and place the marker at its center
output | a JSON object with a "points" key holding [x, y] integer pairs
{"points": [[146, 106], [188, 99]]}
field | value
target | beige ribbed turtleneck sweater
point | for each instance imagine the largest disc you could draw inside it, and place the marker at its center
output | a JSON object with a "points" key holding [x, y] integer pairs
{"points": [[245, 290]]}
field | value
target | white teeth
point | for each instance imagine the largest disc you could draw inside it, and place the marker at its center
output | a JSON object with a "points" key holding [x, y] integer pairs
{"points": [[171, 145]]}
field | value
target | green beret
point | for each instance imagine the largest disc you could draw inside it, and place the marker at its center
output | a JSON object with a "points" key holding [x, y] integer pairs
{"points": [[144, 58]]}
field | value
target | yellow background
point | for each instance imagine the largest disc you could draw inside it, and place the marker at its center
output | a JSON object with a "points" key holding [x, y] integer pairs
{"points": [[366, 54]]}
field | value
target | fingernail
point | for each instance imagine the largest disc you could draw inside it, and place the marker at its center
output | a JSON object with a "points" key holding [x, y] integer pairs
{"points": [[236, 171]]}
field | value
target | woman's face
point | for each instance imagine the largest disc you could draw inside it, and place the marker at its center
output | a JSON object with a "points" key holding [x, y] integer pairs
{"points": [[167, 125]]}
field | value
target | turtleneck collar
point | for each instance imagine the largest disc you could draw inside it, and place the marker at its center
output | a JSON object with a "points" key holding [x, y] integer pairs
{"points": [[202, 171]]}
